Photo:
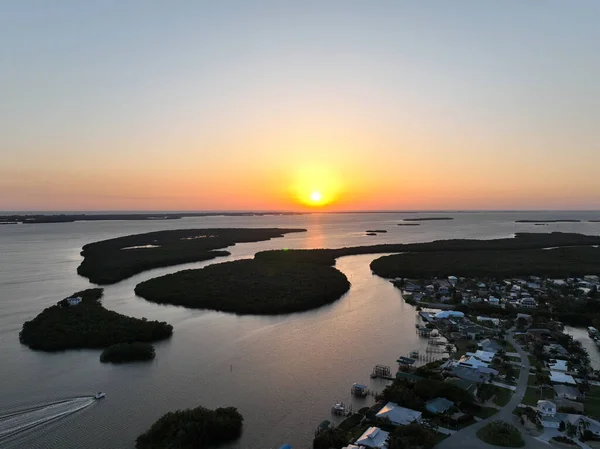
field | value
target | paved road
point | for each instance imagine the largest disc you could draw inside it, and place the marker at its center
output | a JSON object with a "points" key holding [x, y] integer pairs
{"points": [[467, 437]]}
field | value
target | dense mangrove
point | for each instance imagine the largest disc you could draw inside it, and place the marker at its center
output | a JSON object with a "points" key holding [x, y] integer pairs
{"points": [[110, 261], [196, 428], [250, 286], [87, 324]]}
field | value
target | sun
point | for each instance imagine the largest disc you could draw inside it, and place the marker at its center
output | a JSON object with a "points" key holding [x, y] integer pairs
{"points": [[316, 197]]}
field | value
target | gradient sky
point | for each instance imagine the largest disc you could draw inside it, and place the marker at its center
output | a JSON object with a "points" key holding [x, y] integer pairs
{"points": [[223, 105]]}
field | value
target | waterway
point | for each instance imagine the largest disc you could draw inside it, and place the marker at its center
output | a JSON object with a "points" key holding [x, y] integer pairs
{"points": [[283, 372]]}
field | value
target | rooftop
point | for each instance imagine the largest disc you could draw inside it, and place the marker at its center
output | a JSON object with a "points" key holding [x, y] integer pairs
{"points": [[398, 414]]}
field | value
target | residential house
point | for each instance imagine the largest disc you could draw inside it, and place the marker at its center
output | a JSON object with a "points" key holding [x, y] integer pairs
{"points": [[472, 362], [463, 384], [547, 412], [398, 415], [487, 319], [373, 437], [74, 301], [489, 345], [494, 301], [446, 314], [470, 374], [558, 377], [439, 405], [558, 365], [528, 303], [567, 392]]}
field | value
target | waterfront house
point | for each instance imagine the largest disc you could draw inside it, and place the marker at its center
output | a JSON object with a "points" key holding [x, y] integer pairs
{"points": [[398, 415], [470, 374], [74, 301], [558, 365], [373, 437], [567, 392], [446, 314], [471, 362], [439, 405]]}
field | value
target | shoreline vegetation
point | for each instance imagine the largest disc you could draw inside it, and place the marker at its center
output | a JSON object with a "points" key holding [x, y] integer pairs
{"points": [[70, 218], [409, 224], [249, 286], [196, 428], [128, 352], [110, 261], [87, 325]]}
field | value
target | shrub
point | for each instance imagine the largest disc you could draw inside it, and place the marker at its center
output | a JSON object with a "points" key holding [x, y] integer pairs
{"points": [[499, 433]]}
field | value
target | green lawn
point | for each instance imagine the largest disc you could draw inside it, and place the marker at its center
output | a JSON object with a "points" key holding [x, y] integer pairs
{"points": [[591, 403], [508, 347], [531, 380], [485, 412], [502, 396], [532, 395]]}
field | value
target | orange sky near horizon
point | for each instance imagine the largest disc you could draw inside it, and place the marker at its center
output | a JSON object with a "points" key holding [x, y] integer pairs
{"points": [[375, 105]]}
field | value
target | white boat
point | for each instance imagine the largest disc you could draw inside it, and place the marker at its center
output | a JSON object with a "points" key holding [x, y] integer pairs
{"points": [[99, 395]]}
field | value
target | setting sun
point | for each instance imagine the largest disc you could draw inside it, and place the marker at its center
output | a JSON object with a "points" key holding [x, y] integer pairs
{"points": [[316, 197]]}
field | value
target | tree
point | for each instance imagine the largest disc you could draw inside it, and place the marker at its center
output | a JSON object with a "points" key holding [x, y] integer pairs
{"points": [[571, 430], [561, 426]]}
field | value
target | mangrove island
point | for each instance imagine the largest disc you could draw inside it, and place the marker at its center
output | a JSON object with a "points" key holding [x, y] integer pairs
{"points": [[111, 261], [196, 428], [249, 286], [80, 321]]}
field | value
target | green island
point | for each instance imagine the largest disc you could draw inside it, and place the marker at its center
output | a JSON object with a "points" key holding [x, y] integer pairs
{"points": [[376, 230], [111, 261], [196, 428], [429, 219], [250, 286], [409, 224], [128, 352], [499, 433], [81, 321]]}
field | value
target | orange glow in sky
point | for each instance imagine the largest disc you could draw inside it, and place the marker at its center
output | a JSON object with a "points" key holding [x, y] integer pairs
{"points": [[260, 106]]}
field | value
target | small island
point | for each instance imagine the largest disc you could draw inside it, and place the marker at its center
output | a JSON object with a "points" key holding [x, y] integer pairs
{"points": [[80, 321], [128, 352], [409, 224], [371, 233], [429, 219], [547, 221], [249, 286], [111, 261], [197, 428], [376, 230]]}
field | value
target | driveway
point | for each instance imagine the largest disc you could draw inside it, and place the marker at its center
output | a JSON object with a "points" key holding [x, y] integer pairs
{"points": [[467, 437]]}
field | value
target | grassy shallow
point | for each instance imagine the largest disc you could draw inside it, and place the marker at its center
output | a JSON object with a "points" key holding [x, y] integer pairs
{"points": [[251, 286], [111, 261], [88, 325]]}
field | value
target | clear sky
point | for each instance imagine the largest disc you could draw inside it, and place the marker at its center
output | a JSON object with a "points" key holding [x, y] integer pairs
{"points": [[257, 105]]}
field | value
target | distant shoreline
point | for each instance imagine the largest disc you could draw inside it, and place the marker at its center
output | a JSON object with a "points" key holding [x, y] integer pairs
{"points": [[70, 218]]}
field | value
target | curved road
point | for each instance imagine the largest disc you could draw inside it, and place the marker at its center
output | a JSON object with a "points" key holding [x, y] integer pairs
{"points": [[467, 437]]}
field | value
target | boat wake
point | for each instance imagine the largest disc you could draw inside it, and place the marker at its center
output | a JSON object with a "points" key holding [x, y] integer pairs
{"points": [[19, 421]]}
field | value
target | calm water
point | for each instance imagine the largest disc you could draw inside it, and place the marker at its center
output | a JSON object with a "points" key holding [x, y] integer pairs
{"points": [[283, 373]]}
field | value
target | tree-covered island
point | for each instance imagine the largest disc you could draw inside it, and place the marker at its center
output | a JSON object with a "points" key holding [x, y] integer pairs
{"points": [[197, 428], [111, 261], [80, 321]]}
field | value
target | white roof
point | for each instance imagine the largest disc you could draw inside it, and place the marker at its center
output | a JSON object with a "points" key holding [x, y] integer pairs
{"points": [[373, 437], [558, 365], [484, 356], [561, 378], [397, 414], [546, 404], [470, 361], [449, 314]]}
